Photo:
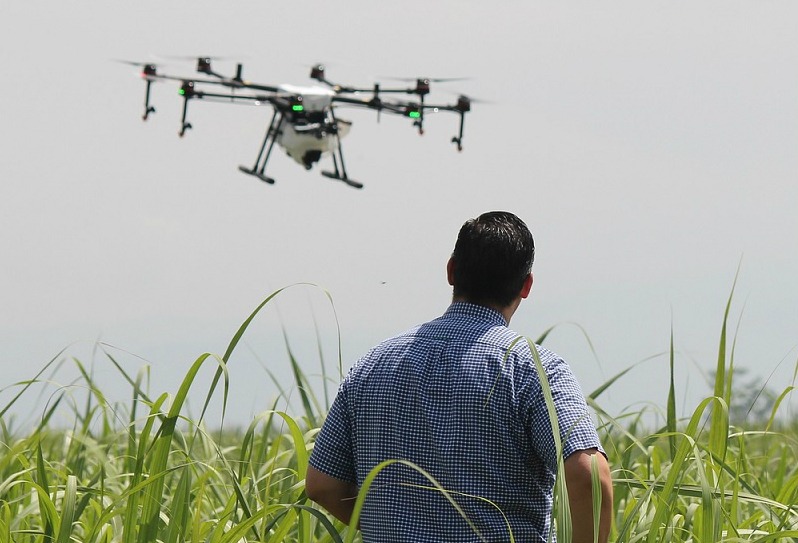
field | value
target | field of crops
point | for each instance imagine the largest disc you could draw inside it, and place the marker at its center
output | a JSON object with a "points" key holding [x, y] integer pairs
{"points": [[143, 471]]}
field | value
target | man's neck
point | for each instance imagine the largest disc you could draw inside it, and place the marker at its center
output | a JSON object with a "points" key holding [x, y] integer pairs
{"points": [[506, 311]]}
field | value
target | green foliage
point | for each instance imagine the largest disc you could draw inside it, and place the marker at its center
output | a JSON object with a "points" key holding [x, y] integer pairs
{"points": [[705, 481], [145, 472]]}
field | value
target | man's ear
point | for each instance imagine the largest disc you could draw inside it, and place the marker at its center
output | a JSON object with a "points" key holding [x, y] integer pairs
{"points": [[450, 271], [527, 286]]}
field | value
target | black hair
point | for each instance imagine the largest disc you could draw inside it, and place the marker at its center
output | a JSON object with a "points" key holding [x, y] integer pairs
{"points": [[492, 258]]}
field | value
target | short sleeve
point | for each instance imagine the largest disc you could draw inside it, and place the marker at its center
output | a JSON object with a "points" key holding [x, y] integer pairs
{"points": [[577, 431], [332, 452]]}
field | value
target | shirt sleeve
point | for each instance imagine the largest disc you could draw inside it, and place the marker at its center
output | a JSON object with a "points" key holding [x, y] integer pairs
{"points": [[333, 452], [577, 431]]}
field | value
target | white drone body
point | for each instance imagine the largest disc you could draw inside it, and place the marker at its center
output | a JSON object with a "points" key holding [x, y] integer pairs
{"points": [[301, 140]]}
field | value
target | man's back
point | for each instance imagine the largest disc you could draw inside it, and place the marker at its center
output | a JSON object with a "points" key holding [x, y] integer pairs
{"points": [[450, 398]]}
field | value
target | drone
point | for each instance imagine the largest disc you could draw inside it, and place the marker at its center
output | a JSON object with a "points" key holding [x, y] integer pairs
{"points": [[305, 122]]}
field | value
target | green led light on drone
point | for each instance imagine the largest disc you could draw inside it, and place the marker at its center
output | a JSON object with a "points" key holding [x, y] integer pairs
{"points": [[414, 114], [298, 107], [181, 92]]}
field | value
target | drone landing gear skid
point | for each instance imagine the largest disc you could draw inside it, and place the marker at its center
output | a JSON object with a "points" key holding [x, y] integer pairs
{"points": [[337, 173], [258, 169]]}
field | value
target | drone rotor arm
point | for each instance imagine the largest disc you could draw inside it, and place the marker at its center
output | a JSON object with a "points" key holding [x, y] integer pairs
{"points": [[204, 67], [462, 107], [252, 86], [248, 99], [223, 82], [350, 100], [317, 72]]}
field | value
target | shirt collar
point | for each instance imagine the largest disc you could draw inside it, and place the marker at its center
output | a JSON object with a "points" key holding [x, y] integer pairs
{"points": [[475, 311]]}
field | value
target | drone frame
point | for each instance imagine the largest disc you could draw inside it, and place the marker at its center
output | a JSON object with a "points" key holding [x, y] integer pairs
{"points": [[288, 108]]}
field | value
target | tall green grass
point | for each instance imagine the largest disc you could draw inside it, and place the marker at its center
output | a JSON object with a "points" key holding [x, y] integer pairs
{"points": [[144, 471]]}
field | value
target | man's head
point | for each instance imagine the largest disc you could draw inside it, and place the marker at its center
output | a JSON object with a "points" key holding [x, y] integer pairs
{"points": [[492, 260]]}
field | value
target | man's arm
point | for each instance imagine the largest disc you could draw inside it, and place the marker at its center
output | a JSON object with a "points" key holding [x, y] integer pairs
{"points": [[580, 495], [336, 496]]}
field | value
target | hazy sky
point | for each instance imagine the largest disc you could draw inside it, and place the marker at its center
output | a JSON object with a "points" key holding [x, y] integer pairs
{"points": [[652, 147]]}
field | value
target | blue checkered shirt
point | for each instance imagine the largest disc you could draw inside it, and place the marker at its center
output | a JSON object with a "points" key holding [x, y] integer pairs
{"points": [[448, 397]]}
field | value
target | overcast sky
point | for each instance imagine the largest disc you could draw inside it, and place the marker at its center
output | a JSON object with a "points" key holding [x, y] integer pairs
{"points": [[652, 147]]}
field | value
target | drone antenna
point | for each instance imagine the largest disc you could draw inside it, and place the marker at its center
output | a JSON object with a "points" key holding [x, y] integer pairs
{"points": [[239, 69]]}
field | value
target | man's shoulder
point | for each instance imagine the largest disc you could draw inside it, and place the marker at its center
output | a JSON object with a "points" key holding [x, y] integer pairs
{"points": [[468, 324], [459, 326], [547, 356]]}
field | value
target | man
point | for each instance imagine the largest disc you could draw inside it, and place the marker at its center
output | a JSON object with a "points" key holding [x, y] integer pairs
{"points": [[460, 398]]}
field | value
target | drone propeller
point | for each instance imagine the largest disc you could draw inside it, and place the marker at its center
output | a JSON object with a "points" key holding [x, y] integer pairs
{"points": [[317, 72], [430, 79], [207, 57], [422, 89], [132, 62], [317, 67], [203, 63], [147, 68], [204, 67], [139, 63]]}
